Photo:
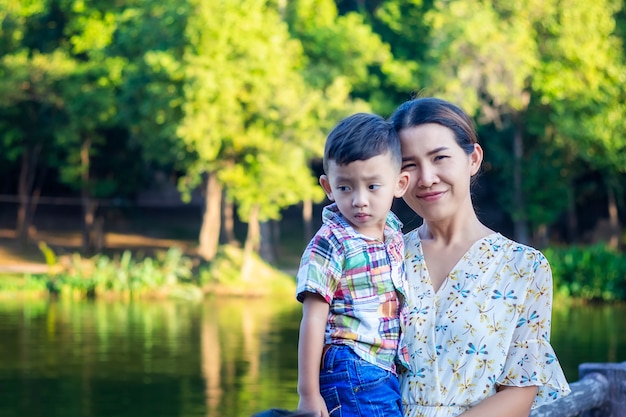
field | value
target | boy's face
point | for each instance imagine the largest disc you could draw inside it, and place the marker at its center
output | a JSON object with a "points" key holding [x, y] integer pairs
{"points": [[364, 191]]}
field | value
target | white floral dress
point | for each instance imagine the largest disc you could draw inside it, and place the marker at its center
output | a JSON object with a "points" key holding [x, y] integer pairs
{"points": [[487, 325]]}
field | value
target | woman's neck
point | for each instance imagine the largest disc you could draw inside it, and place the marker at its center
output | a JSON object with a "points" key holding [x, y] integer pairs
{"points": [[451, 233]]}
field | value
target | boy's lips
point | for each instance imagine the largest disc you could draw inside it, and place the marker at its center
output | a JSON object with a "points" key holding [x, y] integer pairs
{"points": [[361, 216]]}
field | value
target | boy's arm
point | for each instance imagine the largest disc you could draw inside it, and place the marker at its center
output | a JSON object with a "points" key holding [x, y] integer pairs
{"points": [[314, 317]]}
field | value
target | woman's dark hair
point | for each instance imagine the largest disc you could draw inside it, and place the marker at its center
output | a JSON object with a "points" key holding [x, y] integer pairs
{"points": [[425, 110]]}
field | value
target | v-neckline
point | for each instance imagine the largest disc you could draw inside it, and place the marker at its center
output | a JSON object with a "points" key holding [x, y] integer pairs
{"points": [[454, 267]]}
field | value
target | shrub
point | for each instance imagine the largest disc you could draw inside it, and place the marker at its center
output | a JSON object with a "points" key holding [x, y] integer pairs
{"points": [[120, 275], [223, 276], [590, 273]]}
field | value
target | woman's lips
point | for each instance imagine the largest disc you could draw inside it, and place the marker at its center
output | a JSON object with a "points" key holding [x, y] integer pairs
{"points": [[431, 196]]}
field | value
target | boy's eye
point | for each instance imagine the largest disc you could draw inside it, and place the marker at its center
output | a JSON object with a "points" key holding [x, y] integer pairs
{"points": [[374, 186], [343, 188]]}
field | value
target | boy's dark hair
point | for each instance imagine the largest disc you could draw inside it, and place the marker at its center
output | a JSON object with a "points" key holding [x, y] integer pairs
{"points": [[360, 137]]}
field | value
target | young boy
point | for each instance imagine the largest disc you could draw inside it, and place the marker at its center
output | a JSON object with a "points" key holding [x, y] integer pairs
{"points": [[351, 277]]}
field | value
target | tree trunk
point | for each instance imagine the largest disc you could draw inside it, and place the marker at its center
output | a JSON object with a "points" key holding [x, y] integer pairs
{"points": [[613, 218], [228, 224], [253, 239], [21, 227], [540, 239], [266, 242], [88, 205], [519, 217], [211, 219], [26, 179], [572, 218], [36, 193], [276, 238], [307, 219]]}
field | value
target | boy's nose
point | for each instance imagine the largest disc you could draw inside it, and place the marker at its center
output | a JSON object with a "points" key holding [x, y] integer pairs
{"points": [[359, 200]]}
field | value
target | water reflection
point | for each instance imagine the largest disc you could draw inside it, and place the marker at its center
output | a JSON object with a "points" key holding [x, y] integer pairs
{"points": [[219, 358], [256, 343], [593, 333], [97, 359]]}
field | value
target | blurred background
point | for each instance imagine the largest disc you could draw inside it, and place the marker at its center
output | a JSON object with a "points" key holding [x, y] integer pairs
{"points": [[159, 165]]}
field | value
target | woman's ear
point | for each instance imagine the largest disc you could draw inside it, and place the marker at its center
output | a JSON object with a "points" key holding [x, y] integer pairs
{"points": [[325, 183], [403, 184], [476, 159]]}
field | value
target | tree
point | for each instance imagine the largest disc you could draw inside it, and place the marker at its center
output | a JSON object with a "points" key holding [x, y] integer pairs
{"points": [[245, 106], [89, 111], [583, 82], [30, 104], [29, 99], [483, 56], [150, 39], [345, 47], [345, 60]]}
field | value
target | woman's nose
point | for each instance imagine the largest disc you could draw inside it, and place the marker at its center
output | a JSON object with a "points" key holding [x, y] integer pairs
{"points": [[426, 176]]}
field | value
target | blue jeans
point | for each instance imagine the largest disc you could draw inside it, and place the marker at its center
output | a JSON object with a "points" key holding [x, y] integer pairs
{"points": [[353, 387]]}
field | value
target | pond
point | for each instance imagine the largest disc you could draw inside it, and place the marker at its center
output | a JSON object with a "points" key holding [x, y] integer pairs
{"points": [[217, 358]]}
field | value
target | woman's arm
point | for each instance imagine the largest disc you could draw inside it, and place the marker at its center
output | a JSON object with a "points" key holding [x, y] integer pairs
{"points": [[310, 346], [509, 401]]}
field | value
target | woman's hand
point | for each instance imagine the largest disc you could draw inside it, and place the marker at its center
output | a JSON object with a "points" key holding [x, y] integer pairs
{"points": [[507, 402]]}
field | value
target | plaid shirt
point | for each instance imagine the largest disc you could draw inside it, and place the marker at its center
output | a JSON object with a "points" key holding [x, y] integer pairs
{"points": [[363, 281]]}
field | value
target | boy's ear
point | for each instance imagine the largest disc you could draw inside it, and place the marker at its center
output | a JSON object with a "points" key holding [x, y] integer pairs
{"points": [[403, 184], [325, 183]]}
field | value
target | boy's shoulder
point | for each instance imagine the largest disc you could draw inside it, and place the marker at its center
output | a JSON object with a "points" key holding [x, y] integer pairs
{"points": [[335, 224], [330, 237]]}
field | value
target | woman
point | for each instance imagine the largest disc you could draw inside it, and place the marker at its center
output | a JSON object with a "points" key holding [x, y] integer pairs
{"points": [[479, 305]]}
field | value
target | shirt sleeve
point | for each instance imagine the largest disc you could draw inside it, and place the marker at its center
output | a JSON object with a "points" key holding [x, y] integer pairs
{"points": [[320, 268], [531, 360]]}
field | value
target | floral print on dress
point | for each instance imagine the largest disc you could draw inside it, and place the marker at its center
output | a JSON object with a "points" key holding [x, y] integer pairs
{"points": [[487, 325]]}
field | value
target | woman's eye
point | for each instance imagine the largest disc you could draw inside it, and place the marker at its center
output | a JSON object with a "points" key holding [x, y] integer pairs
{"points": [[408, 166]]}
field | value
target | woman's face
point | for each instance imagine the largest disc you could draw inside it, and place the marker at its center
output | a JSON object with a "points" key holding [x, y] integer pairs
{"points": [[439, 171]]}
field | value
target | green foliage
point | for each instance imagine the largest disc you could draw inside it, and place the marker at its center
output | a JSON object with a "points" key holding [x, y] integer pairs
{"points": [[223, 276], [589, 273], [150, 39], [482, 56], [20, 286], [345, 47], [583, 81], [247, 110], [247, 90], [124, 276], [48, 253]]}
